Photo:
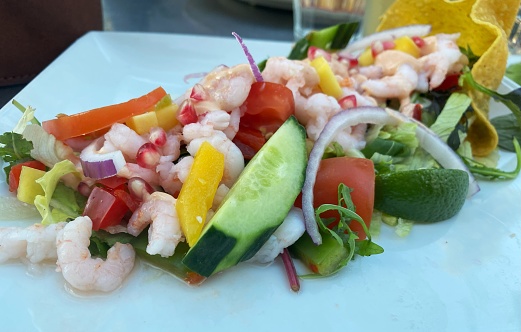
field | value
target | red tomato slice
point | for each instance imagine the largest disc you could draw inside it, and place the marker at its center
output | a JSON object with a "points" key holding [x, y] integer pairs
{"points": [[267, 106], [68, 126], [357, 174], [249, 141], [104, 209], [14, 173]]}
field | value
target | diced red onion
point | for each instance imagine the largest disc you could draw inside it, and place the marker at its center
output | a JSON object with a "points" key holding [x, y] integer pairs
{"points": [[139, 188], [253, 65], [100, 165], [391, 34], [427, 139]]}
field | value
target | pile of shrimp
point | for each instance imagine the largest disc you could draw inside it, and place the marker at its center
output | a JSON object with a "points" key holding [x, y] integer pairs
{"points": [[213, 109]]}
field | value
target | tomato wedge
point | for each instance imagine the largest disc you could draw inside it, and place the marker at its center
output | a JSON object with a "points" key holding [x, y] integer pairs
{"points": [[357, 174], [249, 141], [69, 126], [14, 173], [267, 106]]}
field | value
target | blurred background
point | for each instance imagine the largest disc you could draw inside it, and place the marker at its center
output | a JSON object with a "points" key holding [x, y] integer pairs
{"points": [[33, 32]]}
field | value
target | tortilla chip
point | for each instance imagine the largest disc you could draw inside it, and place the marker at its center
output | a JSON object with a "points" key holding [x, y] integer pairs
{"points": [[484, 26]]}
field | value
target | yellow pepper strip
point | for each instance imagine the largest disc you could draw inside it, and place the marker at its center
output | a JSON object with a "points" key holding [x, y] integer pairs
{"points": [[198, 191], [328, 82]]}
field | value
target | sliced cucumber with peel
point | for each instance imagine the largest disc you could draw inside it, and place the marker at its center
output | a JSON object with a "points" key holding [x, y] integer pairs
{"points": [[256, 205]]}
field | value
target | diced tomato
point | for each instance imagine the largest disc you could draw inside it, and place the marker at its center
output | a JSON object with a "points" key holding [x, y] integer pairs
{"points": [[267, 106], [451, 81], [113, 182], [14, 173], [249, 141], [129, 201], [356, 173], [104, 208]]}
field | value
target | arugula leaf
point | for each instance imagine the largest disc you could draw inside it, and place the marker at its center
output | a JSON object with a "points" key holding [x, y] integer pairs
{"points": [[473, 58], [506, 128], [342, 232], [512, 100], [478, 168]]}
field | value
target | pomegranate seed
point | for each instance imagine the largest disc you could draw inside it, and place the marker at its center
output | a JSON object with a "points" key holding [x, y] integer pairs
{"points": [[347, 102], [417, 112], [139, 188], [418, 41], [157, 136], [388, 45], [187, 112], [377, 47], [148, 156], [314, 52], [198, 93], [351, 60]]}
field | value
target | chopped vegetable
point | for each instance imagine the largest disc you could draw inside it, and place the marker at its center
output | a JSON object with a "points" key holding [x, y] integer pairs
{"points": [[28, 188], [67, 126], [198, 191], [104, 208], [14, 173], [328, 82]]}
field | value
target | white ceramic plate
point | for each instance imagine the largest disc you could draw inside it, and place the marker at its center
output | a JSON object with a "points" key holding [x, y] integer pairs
{"points": [[462, 274]]}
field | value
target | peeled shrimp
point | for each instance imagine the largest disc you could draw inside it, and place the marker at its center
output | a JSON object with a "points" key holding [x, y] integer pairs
{"points": [[285, 235], [229, 87], [172, 176], [445, 59], [36, 243], [164, 233], [400, 85], [131, 170], [91, 274], [121, 137]]}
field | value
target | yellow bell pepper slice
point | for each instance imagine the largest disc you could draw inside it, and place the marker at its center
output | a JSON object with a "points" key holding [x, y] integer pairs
{"points": [[328, 82], [198, 191]]}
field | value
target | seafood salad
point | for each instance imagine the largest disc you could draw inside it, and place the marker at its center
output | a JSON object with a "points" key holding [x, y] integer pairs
{"points": [[298, 157]]}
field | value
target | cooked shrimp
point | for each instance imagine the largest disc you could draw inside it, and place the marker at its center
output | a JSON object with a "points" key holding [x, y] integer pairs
{"points": [[285, 235], [400, 85], [172, 148], [233, 158], [229, 87], [36, 243], [218, 120], [233, 126], [164, 233], [172, 176], [84, 272], [444, 60], [319, 109], [121, 137], [222, 191], [131, 170], [391, 60]]}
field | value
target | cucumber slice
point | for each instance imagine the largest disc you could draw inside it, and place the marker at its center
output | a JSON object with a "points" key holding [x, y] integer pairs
{"points": [[256, 205]]}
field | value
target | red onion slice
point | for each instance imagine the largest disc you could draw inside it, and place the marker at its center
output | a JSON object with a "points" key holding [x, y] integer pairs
{"points": [[428, 140], [419, 30], [100, 165], [253, 65]]}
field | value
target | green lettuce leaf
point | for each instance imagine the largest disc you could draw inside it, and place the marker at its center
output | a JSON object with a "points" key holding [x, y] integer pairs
{"points": [[49, 182]]}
